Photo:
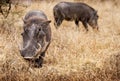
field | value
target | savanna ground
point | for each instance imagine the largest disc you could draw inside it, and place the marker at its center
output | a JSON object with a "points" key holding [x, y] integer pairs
{"points": [[73, 55]]}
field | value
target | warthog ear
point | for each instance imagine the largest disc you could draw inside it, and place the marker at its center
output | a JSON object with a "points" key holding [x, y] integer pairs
{"points": [[46, 22], [24, 21], [95, 13], [49, 21]]}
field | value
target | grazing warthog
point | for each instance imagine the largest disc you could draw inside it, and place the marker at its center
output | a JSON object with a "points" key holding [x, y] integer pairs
{"points": [[36, 36], [75, 11]]}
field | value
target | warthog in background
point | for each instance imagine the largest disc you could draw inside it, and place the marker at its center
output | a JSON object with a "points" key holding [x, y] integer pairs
{"points": [[36, 36], [75, 11]]}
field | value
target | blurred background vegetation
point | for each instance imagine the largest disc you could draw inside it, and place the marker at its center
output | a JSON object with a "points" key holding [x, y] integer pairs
{"points": [[73, 55]]}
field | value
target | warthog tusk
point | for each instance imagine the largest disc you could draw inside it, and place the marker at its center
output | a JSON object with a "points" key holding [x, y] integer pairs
{"points": [[39, 45], [20, 47], [23, 48], [38, 51], [41, 49], [45, 46]]}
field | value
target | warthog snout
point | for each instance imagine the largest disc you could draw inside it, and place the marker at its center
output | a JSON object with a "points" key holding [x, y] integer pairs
{"points": [[30, 53]]}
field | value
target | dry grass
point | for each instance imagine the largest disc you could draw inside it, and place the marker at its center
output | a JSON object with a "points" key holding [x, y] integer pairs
{"points": [[73, 55]]}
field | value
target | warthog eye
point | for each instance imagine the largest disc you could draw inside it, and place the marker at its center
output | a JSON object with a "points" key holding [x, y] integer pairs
{"points": [[40, 29]]}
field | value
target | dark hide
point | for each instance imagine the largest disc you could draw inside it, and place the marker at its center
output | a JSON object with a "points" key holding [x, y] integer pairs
{"points": [[36, 36]]}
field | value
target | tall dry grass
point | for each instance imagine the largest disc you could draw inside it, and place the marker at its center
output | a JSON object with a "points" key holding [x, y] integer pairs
{"points": [[73, 55]]}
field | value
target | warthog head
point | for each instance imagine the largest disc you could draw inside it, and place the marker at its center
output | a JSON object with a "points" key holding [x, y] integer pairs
{"points": [[93, 20], [34, 36]]}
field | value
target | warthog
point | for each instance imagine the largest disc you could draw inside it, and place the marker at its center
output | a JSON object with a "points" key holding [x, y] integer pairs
{"points": [[36, 36], [75, 11]]}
